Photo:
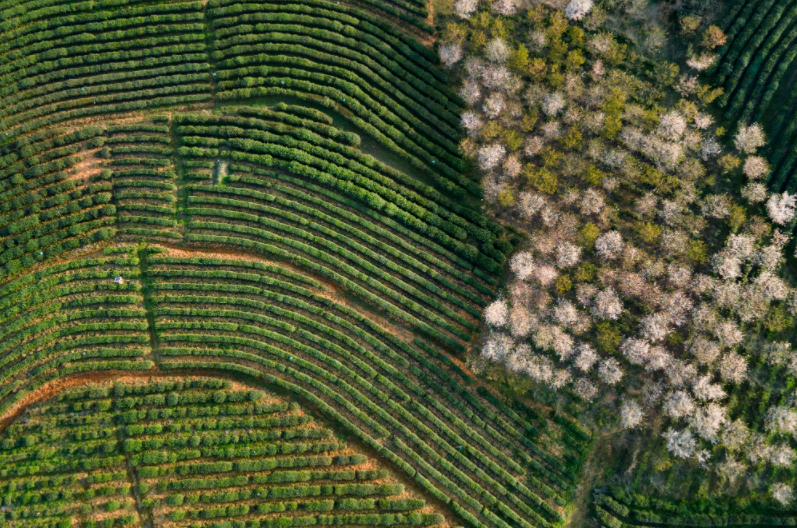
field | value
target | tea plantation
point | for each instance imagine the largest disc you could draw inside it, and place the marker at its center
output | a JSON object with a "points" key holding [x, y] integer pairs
{"points": [[270, 196]]}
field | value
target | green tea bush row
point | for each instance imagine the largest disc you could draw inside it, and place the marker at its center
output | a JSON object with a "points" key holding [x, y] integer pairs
{"points": [[366, 172], [334, 235], [339, 62], [421, 193], [347, 94], [336, 175], [336, 264], [333, 221], [751, 75]]}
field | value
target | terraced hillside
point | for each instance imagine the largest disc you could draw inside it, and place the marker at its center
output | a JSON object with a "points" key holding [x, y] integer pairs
{"points": [[756, 68], [274, 324], [182, 452], [273, 193]]}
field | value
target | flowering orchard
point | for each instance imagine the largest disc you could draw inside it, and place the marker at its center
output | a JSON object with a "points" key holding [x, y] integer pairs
{"points": [[647, 271]]}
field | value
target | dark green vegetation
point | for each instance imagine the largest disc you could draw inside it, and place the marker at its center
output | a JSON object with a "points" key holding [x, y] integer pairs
{"points": [[616, 508], [756, 68], [180, 452]]}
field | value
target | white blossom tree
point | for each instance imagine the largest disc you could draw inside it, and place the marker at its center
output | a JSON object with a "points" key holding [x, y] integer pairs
{"points": [[493, 105], [497, 347], [680, 443], [733, 368], [505, 7], [553, 104], [522, 265], [450, 54], [781, 207], [679, 404], [497, 50], [749, 138], [610, 371], [567, 255], [783, 493], [781, 420], [465, 8], [704, 390], [496, 314], [578, 9], [609, 245], [471, 122], [701, 62], [755, 167], [636, 350], [490, 156], [607, 304], [631, 414], [735, 435], [586, 357], [672, 126]]}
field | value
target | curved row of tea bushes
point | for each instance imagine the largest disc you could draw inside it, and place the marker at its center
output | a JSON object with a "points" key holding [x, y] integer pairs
{"points": [[66, 315], [61, 62]]}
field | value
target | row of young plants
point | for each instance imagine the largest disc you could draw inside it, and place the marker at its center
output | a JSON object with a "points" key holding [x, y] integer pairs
{"points": [[325, 314], [65, 480], [120, 92], [474, 276], [20, 155], [329, 411], [150, 144], [317, 255], [129, 27], [747, 72], [411, 145], [411, 188], [37, 50], [289, 122], [374, 25], [743, 29], [46, 14], [145, 99], [37, 210], [450, 182], [100, 84], [69, 314], [224, 7], [618, 509], [42, 62], [742, 51], [302, 191]]}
